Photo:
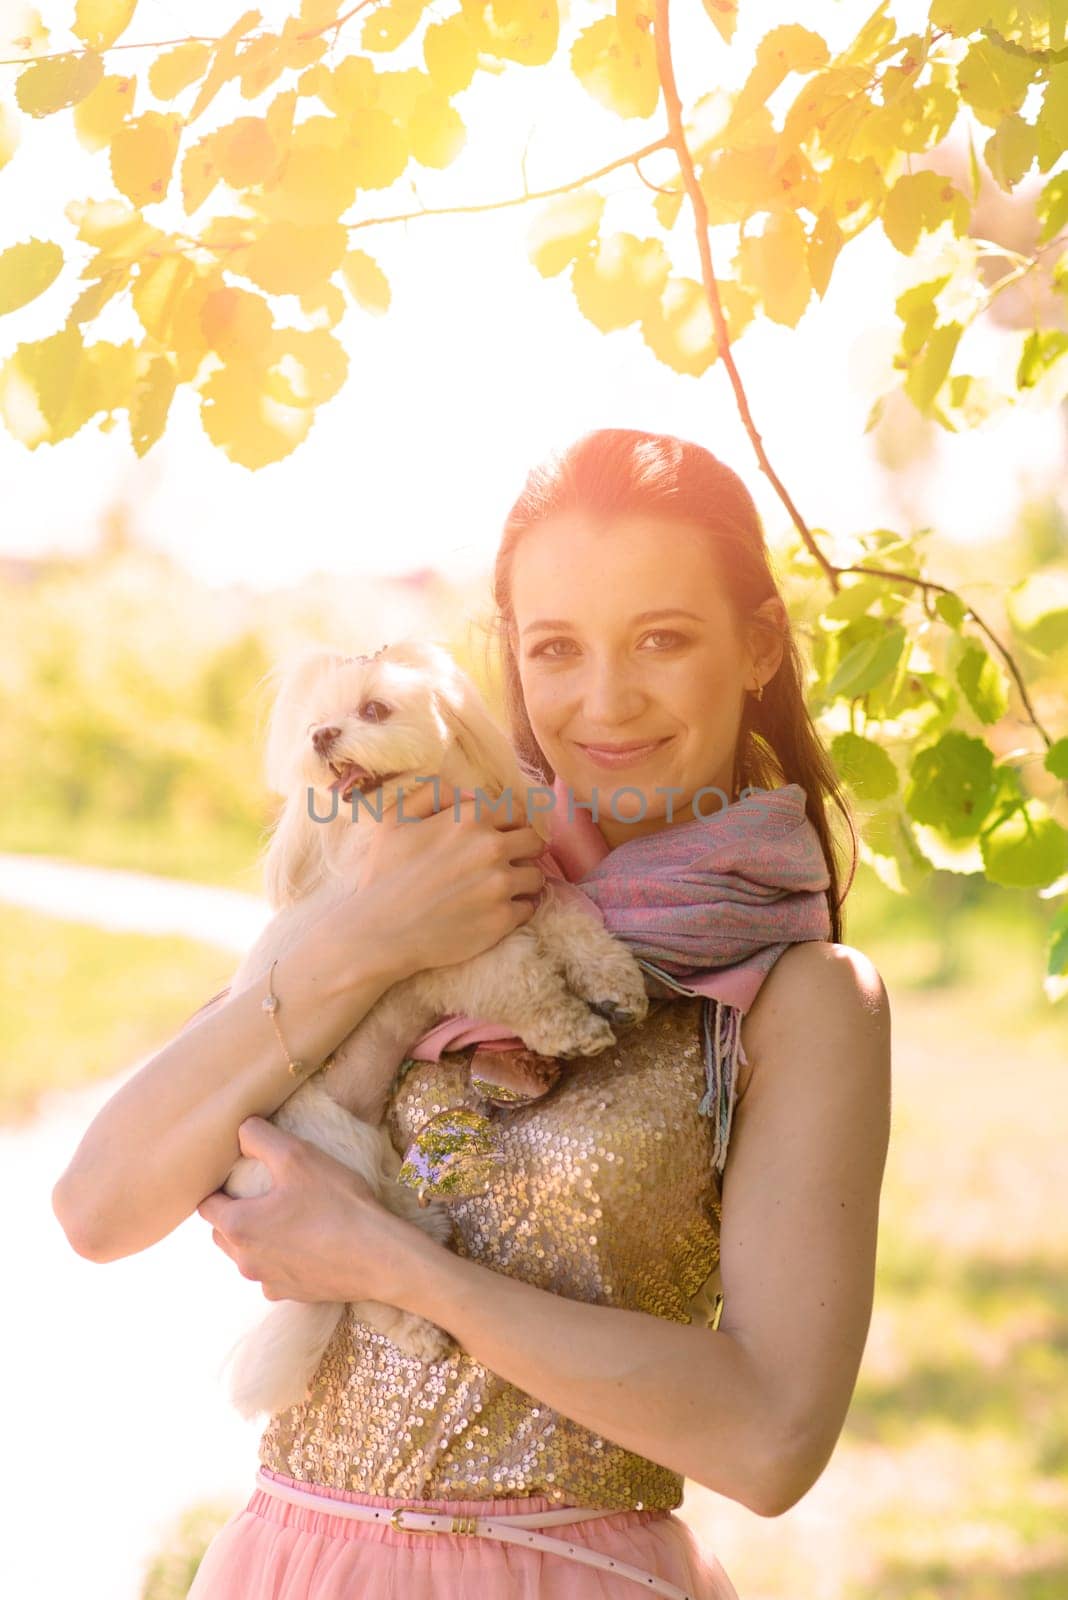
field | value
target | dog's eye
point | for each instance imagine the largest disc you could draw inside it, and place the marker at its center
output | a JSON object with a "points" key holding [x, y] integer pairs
{"points": [[374, 711]]}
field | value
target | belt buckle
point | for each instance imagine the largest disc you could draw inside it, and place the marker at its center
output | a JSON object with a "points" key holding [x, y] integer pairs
{"points": [[400, 1526]]}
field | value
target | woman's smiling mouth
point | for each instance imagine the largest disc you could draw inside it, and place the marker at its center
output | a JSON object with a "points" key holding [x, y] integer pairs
{"points": [[622, 755]]}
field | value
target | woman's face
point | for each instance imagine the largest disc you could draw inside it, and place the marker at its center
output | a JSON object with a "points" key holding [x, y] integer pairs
{"points": [[597, 670]]}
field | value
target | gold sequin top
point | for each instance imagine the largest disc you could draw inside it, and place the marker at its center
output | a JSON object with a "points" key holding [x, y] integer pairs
{"points": [[608, 1195]]}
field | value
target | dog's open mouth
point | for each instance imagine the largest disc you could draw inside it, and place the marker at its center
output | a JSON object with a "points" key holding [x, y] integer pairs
{"points": [[350, 776]]}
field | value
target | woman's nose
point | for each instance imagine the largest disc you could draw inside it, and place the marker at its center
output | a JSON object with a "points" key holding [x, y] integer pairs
{"points": [[323, 738], [609, 697]]}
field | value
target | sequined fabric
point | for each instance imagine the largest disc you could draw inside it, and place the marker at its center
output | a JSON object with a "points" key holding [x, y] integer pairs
{"points": [[608, 1195]]}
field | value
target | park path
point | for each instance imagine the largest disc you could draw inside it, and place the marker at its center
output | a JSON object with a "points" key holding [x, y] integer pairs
{"points": [[116, 1418]]}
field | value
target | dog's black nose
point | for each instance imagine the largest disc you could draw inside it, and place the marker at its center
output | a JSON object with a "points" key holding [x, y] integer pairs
{"points": [[323, 738]]}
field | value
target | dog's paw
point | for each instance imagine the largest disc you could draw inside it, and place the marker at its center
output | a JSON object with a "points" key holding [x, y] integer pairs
{"points": [[572, 1030], [422, 1339], [611, 983]]}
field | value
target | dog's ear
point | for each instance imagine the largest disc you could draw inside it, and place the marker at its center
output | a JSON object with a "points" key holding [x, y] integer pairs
{"points": [[293, 862], [483, 756], [296, 677]]}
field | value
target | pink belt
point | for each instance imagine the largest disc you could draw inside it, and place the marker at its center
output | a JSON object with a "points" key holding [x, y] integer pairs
{"points": [[512, 1529]]}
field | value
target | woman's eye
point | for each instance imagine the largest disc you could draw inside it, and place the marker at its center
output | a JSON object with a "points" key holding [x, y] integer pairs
{"points": [[543, 649], [374, 711], [657, 633]]}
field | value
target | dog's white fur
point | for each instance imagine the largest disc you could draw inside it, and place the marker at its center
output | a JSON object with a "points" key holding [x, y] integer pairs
{"points": [[536, 981]]}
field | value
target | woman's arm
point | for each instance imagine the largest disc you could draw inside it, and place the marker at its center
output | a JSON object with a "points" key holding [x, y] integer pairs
{"points": [[753, 1409], [168, 1135], [433, 889]]}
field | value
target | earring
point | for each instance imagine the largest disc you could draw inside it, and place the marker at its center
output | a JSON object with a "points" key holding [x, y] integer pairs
{"points": [[759, 692]]}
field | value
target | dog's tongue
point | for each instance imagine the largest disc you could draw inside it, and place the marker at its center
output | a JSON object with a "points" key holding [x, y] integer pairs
{"points": [[349, 773]]}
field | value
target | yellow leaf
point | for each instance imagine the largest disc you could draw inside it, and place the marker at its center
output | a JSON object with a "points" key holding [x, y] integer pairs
{"points": [[775, 264], [200, 173], [615, 62], [287, 259], [9, 136], [187, 340], [324, 307], [236, 323], [724, 13], [919, 203], [620, 281], [57, 82], [526, 31], [318, 181], [92, 301], [27, 270], [436, 130], [678, 329], [261, 63], [390, 24], [150, 402], [562, 230], [306, 367], [450, 53], [224, 64], [825, 241], [245, 153], [176, 69], [100, 115], [157, 292], [367, 282], [142, 156], [98, 23], [252, 429], [22, 33], [993, 81], [379, 149], [1010, 150]]}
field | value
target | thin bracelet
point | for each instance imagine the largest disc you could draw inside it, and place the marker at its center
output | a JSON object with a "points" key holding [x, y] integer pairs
{"points": [[270, 1005]]}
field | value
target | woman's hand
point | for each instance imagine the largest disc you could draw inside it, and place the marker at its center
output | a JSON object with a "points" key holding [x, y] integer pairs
{"points": [[318, 1234], [451, 884]]}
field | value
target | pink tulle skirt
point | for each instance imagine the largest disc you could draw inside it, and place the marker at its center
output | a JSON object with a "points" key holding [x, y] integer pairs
{"points": [[271, 1550]]}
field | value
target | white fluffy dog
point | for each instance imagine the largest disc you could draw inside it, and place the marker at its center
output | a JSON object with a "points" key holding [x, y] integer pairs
{"points": [[381, 725]]}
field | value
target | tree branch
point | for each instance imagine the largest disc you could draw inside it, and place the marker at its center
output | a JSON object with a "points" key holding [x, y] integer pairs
{"points": [[677, 136]]}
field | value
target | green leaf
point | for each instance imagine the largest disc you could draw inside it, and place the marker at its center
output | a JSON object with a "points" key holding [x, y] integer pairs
{"points": [[98, 23], [51, 85], [928, 371], [983, 681], [1057, 759], [951, 609], [865, 766], [1051, 207], [1011, 150], [27, 270], [1027, 850], [1040, 351], [1057, 953], [952, 785], [993, 81], [867, 663]]}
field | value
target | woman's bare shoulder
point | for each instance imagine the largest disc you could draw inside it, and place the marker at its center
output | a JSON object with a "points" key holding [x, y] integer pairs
{"points": [[813, 981]]}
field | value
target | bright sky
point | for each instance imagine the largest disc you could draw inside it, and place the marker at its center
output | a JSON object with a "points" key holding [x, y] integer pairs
{"points": [[481, 365]]}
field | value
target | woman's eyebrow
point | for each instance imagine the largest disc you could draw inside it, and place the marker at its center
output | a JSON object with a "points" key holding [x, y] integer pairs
{"points": [[643, 616]]}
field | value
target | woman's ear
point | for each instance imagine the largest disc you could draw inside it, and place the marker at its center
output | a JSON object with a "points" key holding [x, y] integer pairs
{"points": [[293, 863], [287, 726]]}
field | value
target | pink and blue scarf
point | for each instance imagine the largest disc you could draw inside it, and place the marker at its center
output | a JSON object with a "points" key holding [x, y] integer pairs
{"points": [[707, 907]]}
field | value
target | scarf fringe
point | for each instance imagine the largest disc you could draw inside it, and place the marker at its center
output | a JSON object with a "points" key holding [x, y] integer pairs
{"points": [[721, 1033]]}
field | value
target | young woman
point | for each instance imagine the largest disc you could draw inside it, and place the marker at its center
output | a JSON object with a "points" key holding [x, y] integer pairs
{"points": [[646, 650]]}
